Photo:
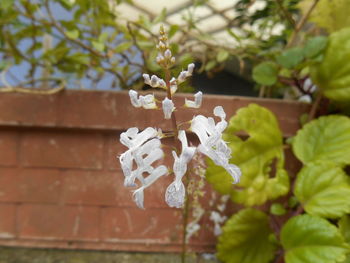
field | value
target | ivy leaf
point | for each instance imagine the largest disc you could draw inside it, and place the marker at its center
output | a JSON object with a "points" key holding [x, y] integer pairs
{"points": [[332, 75], [245, 238], [326, 138], [257, 157], [314, 46], [309, 239], [323, 190], [265, 73], [291, 57]]}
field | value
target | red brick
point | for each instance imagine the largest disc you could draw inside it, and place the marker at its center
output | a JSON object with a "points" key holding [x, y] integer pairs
{"points": [[28, 109], [62, 149], [7, 221], [143, 226], [9, 185], [58, 222], [8, 147], [92, 188], [39, 185], [114, 150]]}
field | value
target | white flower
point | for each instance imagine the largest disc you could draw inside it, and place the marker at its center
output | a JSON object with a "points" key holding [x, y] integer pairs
{"points": [[168, 108], [211, 143], [144, 149], [175, 193], [146, 102], [185, 74], [197, 101], [167, 53], [154, 81], [305, 98], [173, 86]]}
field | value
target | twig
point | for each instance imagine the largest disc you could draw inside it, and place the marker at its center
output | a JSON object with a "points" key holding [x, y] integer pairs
{"points": [[314, 107], [301, 24]]}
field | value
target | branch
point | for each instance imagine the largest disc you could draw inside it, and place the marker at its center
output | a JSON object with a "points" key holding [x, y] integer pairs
{"points": [[287, 15], [301, 24]]}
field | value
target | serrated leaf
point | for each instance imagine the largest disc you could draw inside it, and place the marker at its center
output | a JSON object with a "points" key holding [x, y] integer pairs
{"points": [[323, 190], [309, 239], [73, 34], [254, 156], [291, 57], [122, 47], [245, 238], [314, 46], [331, 15], [265, 73], [332, 75], [324, 139], [222, 55]]}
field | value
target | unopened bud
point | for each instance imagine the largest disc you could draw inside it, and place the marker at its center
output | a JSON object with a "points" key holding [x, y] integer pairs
{"points": [[154, 81], [167, 54]]}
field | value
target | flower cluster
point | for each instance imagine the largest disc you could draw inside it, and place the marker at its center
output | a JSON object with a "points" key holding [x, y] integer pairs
{"points": [[144, 148]]}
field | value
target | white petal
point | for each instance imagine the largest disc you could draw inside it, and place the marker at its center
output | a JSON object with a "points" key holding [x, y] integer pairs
{"points": [[154, 81], [157, 172], [167, 53], [182, 77], [219, 112], [168, 108], [148, 101], [147, 79], [190, 68], [175, 196], [305, 98], [133, 98], [139, 197], [197, 101], [173, 89], [234, 171]]}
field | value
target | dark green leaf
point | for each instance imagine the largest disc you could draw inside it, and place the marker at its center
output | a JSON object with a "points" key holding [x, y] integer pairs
{"points": [[314, 46], [291, 57]]}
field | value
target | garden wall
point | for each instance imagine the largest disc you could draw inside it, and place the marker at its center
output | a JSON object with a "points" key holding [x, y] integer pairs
{"points": [[60, 183]]}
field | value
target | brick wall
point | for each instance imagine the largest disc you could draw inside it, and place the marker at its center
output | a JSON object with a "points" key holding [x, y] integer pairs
{"points": [[60, 183]]}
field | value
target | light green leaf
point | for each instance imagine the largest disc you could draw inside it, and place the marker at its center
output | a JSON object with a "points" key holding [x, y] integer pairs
{"points": [[245, 238], [332, 75], [145, 44], [210, 65], [260, 157], [314, 46], [344, 227], [98, 45], [222, 55], [265, 73], [323, 190], [172, 30], [326, 138], [122, 47], [331, 15], [103, 37], [160, 17], [291, 57], [309, 239], [5, 4], [73, 34]]}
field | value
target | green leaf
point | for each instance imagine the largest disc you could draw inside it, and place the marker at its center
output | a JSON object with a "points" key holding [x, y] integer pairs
{"points": [[145, 44], [5, 4], [73, 34], [260, 157], [332, 75], [265, 73], [291, 57], [172, 30], [314, 46], [222, 55], [309, 239], [324, 139], [122, 47], [210, 65], [98, 45], [245, 238], [344, 227], [323, 190], [331, 15], [277, 209], [160, 17]]}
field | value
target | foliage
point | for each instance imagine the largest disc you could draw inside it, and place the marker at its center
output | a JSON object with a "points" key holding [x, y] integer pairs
{"points": [[302, 217]]}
